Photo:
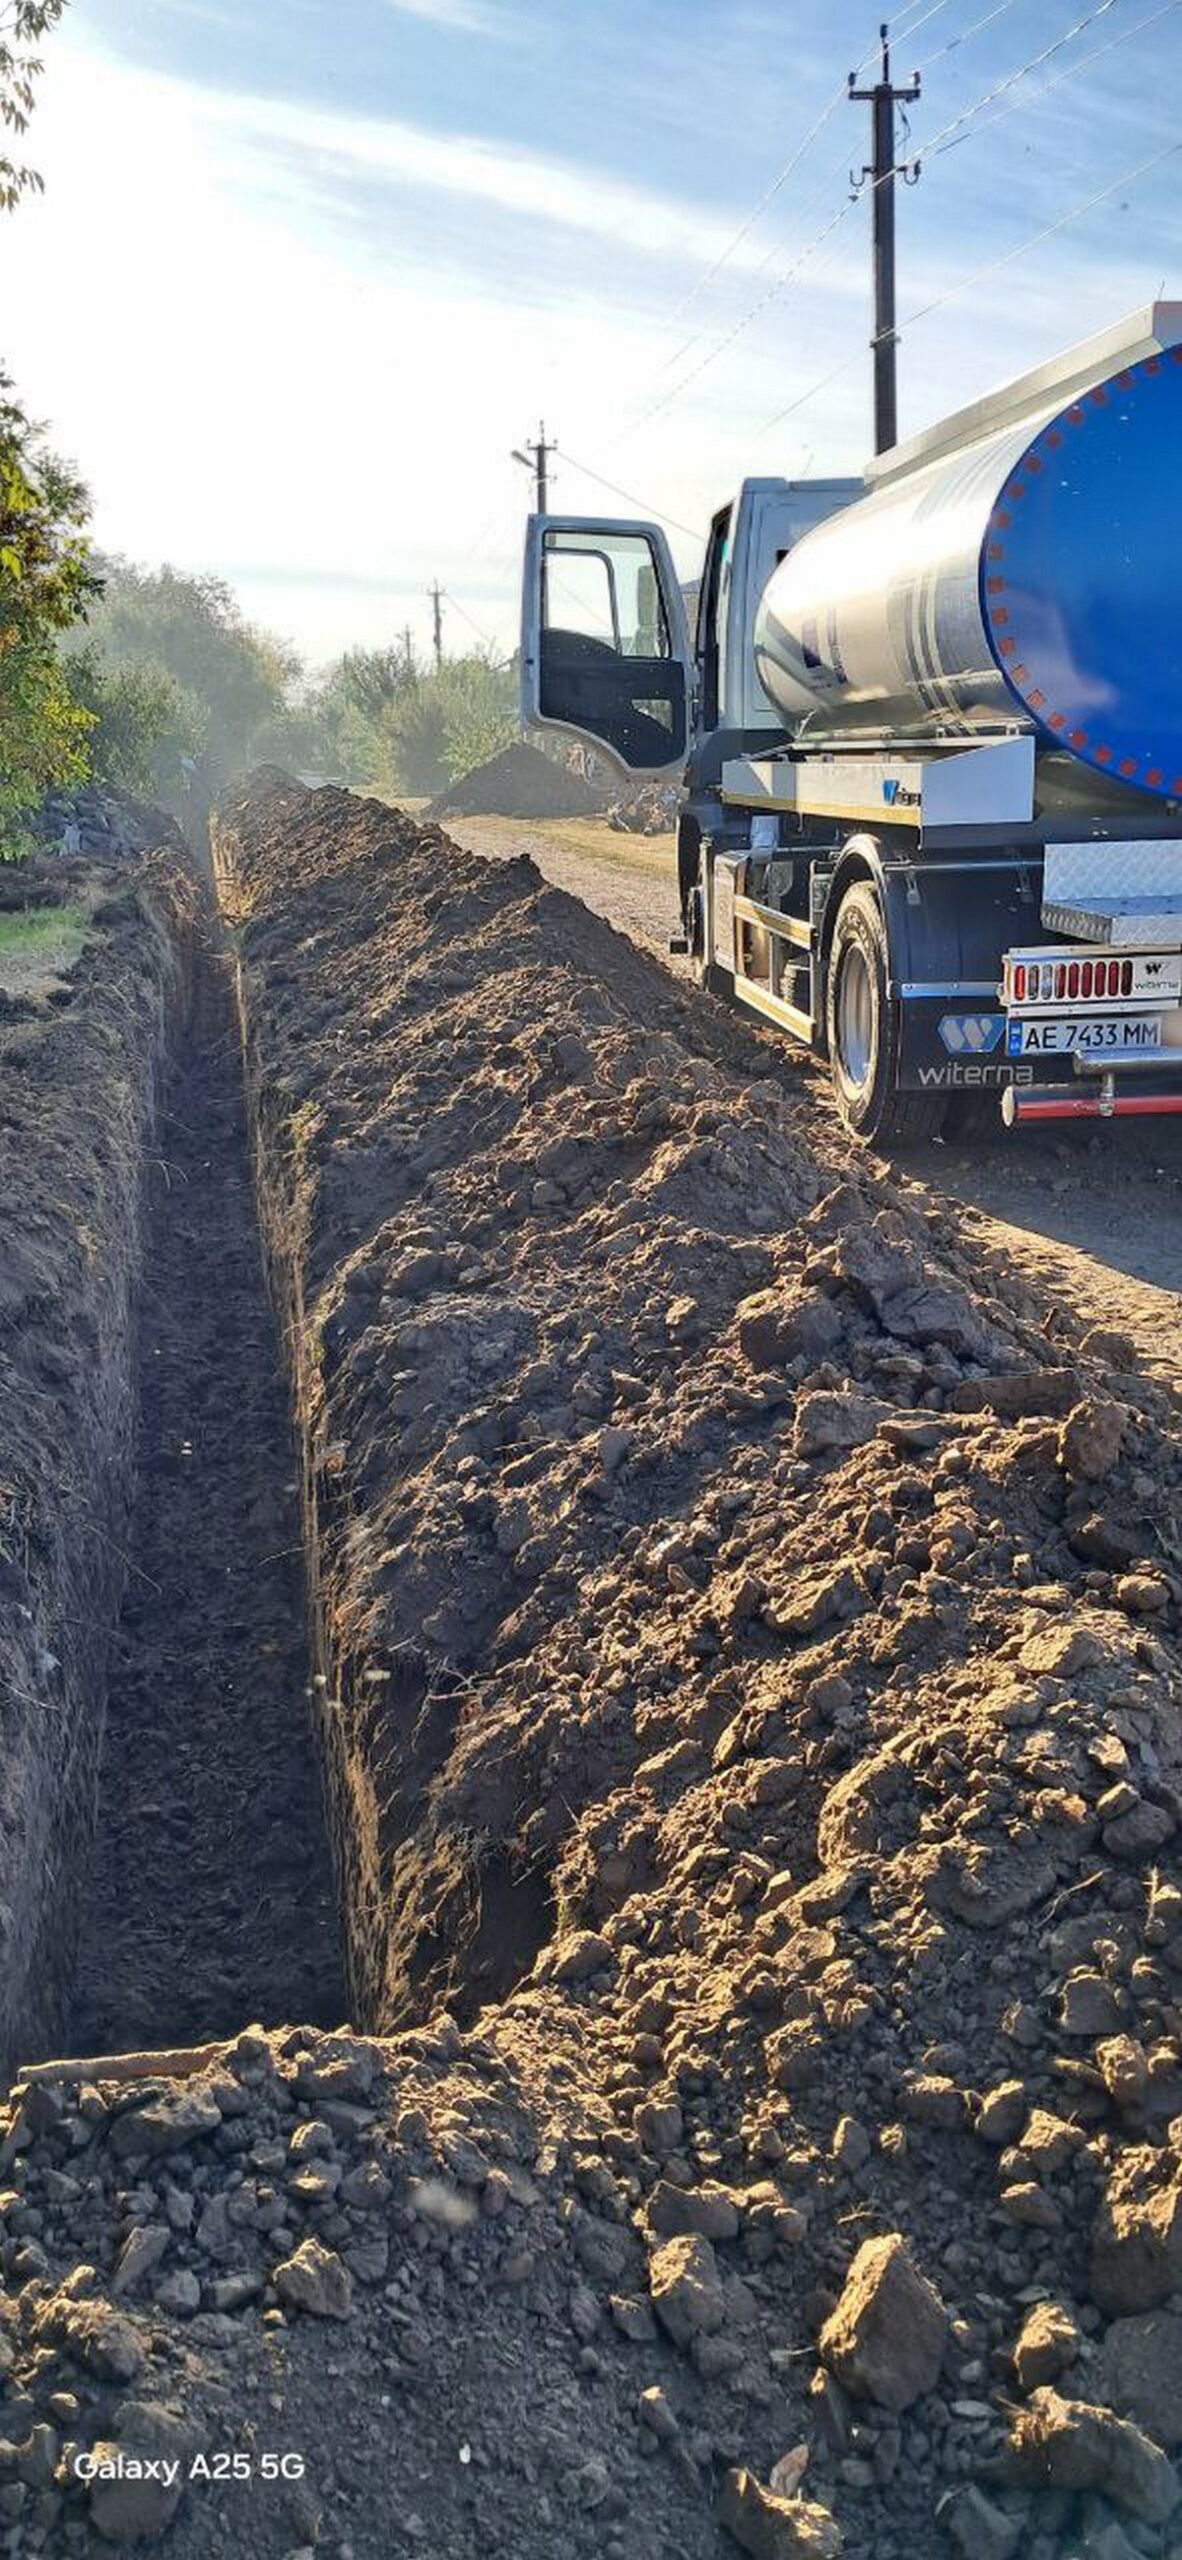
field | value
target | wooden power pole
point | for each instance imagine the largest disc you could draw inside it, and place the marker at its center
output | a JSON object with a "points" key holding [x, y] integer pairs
{"points": [[536, 458]]}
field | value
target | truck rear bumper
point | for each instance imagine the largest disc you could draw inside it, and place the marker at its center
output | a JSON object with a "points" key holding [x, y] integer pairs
{"points": [[1040, 1102]]}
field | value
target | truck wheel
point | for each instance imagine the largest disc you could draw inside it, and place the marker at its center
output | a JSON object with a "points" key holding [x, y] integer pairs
{"points": [[703, 967], [863, 1032], [694, 914]]}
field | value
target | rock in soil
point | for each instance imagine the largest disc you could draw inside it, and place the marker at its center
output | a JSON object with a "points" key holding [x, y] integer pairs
{"points": [[1070, 2444], [885, 2340], [773, 2528]]}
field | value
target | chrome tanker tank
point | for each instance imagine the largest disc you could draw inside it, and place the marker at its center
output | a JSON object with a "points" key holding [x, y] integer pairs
{"points": [[1023, 562]]}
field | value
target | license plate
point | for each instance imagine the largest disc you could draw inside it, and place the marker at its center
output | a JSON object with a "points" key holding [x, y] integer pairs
{"points": [[1039, 1036]]}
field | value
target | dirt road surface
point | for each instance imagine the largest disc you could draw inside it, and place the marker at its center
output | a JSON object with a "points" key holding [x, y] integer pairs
{"points": [[1094, 1212]]}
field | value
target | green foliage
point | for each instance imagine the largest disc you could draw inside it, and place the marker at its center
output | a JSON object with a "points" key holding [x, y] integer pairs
{"points": [[390, 727], [371, 682], [479, 710], [22, 23], [230, 685], [145, 726], [47, 580]]}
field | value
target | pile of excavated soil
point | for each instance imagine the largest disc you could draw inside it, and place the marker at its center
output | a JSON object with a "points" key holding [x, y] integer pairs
{"points": [[80, 1067], [749, 1640], [520, 783]]}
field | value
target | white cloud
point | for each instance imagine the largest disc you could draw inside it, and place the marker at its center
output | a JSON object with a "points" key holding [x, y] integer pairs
{"points": [[384, 149], [472, 17]]}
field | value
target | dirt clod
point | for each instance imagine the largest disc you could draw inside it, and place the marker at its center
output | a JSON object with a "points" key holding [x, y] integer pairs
{"points": [[885, 2340], [774, 2528]]}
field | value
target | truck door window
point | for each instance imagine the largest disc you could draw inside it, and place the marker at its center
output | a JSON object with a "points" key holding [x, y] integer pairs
{"points": [[604, 588]]}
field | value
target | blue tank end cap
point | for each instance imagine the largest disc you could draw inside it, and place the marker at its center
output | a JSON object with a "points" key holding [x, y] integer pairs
{"points": [[1081, 577]]}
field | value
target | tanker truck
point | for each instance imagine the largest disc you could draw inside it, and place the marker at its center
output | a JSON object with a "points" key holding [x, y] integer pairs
{"points": [[928, 732]]}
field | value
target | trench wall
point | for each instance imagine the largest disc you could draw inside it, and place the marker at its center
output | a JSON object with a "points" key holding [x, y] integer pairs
{"points": [[80, 1076]]}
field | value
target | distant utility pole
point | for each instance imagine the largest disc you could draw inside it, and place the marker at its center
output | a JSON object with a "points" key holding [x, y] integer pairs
{"points": [[408, 649], [535, 458], [883, 98], [436, 595]]}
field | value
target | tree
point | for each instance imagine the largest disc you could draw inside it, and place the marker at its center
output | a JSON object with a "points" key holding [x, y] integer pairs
{"points": [[371, 681], [22, 23], [145, 729], [191, 631], [389, 727], [452, 720], [47, 581]]}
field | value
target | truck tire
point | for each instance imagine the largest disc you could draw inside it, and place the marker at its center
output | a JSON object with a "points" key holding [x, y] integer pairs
{"points": [[694, 921], [863, 1032], [703, 968]]}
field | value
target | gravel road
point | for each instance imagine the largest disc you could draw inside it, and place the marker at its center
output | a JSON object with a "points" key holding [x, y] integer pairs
{"points": [[1097, 1210]]}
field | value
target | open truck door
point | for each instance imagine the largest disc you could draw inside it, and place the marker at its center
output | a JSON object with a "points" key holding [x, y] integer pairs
{"points": [[605, 652]]}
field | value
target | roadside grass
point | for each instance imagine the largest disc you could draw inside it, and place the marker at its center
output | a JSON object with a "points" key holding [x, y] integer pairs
{"points": [[591, 836], [39, 947]]}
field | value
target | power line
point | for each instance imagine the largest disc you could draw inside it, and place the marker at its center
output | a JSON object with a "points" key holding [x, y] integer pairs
{"points": [[1127, 178], [483, 636], [658, 513], [789, 169], [941, 141], [903, 35], [966, 34], [837, 99], [953, 44], [776, 287], [1071, 69], [768, 197]]}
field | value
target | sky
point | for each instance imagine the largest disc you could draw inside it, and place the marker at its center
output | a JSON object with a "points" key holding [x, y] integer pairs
{"points": [[306, 271]]}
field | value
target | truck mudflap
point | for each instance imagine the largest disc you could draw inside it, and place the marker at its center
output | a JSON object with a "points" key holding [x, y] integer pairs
{"points": [[952, 1040], [949, 924]]}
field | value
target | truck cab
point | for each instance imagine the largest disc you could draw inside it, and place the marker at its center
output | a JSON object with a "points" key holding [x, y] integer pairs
{"points": [[928, 737], [605, 617]]}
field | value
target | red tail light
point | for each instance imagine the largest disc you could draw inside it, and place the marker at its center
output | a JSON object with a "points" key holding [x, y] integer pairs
{"points": [[1086, 982], [1073, 979], [1019, 980]]}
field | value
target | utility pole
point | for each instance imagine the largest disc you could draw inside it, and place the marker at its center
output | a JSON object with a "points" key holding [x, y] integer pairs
{"points": [[535, 458], [436, 595], [882, 100], [408, 649]]}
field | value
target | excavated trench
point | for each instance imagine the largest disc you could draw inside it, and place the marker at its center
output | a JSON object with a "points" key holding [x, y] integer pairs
{"points": [[209, 1898]]}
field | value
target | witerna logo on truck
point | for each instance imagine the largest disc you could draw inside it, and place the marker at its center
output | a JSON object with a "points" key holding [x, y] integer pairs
{"points": [[969, 1038], [971, 1035]]}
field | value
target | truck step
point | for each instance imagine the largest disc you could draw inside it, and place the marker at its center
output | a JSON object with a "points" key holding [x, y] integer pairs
{"points": [[1149, 924], [1115, 892]]}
